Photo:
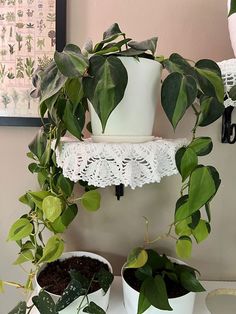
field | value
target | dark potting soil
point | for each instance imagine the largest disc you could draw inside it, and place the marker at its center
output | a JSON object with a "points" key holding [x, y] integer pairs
{"points": [[174, 290], [55, 276]]}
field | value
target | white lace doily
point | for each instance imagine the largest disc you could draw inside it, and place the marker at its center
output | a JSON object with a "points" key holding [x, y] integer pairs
{"points": [[103, 164], [228, 71]]}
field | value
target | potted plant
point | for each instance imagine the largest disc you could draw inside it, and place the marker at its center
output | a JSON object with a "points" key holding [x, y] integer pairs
{"points": [[78, 282], [156, 284], [75, 281], [111, 75]]}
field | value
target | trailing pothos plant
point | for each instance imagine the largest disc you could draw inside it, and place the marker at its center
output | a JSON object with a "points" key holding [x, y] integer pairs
{"points": [[38, 231], [79, 286]]}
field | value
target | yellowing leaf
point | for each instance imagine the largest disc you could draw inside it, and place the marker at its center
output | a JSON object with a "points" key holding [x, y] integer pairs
{"points": [[137, 258], [52, 207], [184, 247]]}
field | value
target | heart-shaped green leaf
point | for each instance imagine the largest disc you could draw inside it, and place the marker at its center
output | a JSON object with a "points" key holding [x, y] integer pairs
{"points": [[52, 250], [189, 281], [186, 161], [184, 247], [211, 110], [154, 290], [201, 231], [71, 62], [177, 94], [91, 200], [106, 85], [71, 293], [62, 222], [52, 207], [44, 303], [137, 258], [201, 145], [105, 279], [22, 228], [202, 188], [209, 78]]}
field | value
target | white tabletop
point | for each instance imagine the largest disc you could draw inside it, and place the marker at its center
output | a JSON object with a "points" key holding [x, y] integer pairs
{"points": [[116, 298]]}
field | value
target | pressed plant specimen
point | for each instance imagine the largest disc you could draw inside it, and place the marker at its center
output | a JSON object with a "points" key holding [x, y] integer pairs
{"points": [[10, 74], [20, 13], [2, 72], [5, 100], [11, 32], [3, 34], [28, 43], [20, 25], [51, 17], [30, 13], [19, 68], [15, 97], [52, 36], [41, 43], [29, 25], [44, 61], [29, 67], [41, 25], [11, 49], [19, 40], [10, 17]]}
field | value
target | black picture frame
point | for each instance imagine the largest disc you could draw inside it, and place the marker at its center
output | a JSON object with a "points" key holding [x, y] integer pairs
{"points": [[61, 14]]}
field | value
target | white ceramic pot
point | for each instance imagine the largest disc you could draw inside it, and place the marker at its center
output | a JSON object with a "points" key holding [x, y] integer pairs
{"points": [[133, 119], [180, 305], [232, 29], [97, 297]]}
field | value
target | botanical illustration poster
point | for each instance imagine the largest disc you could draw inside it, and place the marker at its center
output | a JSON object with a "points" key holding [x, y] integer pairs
{"points": [[27, 40]]}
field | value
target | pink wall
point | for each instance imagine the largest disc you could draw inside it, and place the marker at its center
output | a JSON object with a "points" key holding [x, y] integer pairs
{"points": [[195, 28]]}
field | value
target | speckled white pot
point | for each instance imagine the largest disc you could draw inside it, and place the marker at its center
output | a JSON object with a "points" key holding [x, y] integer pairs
{"points": [[97, 297], [181, 305], [232, 29], [134, 116]]}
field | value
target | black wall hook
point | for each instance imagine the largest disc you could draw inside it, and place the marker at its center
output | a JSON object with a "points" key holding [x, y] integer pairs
{"points": [[228, 128]]}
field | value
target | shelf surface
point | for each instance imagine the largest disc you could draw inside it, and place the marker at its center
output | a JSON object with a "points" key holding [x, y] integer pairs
{"points": [[116, 299]]}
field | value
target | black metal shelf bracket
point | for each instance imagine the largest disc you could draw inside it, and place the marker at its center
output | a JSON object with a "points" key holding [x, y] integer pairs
{"points": [[119, 191], [228, 128]]}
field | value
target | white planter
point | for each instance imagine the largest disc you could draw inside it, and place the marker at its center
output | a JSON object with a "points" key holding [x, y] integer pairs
{"points": [[232, 29], [133, 118], [180, 305], [97, 297]]}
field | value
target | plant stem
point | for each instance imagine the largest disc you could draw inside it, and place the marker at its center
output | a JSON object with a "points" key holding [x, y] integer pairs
{"points": [[126, 45], [196, 123], [162, 236], [14, 284], [85, 296]]}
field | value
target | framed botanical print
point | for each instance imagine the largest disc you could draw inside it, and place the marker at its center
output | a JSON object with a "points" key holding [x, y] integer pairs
{"points": [[30, 32]]}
